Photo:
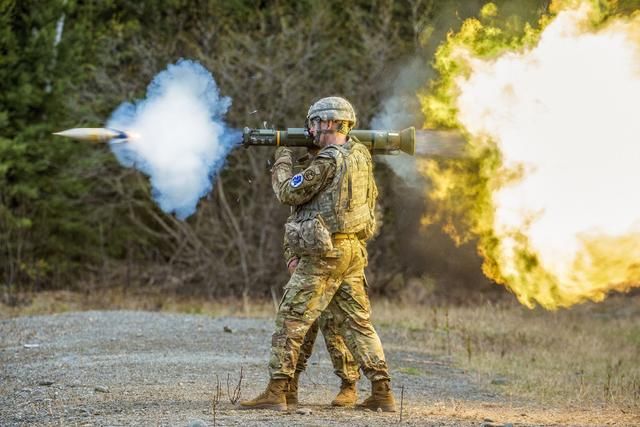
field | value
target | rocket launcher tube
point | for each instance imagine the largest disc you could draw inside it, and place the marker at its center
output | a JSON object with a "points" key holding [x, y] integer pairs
{"points": [[378, 141]]}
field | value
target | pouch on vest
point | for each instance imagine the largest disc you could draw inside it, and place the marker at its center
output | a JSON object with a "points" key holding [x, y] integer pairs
{"points": [[308, 237]]}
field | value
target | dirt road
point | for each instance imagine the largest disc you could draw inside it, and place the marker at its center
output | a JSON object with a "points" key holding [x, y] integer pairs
{"points": [[143, 368]]}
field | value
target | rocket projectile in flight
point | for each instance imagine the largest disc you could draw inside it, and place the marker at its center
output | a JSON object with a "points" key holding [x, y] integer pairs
{"points": [[95, 134]]}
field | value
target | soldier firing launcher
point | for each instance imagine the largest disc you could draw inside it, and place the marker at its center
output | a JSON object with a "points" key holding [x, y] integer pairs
{"points": [[378, 141]]}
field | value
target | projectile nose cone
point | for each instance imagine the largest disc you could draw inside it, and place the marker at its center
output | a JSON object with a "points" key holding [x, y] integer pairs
{"points": [[68, 132]]}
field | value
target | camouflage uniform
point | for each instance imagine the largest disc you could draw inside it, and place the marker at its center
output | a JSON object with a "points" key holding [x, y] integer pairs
{"points": [[333, 280], [344, 364]]}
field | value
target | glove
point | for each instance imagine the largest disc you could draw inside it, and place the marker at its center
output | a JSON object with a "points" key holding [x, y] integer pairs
{"points": [[283, 155]]}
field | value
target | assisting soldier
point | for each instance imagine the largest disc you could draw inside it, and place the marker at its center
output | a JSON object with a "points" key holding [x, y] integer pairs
{"points": [[344, 364], [334, 201]]}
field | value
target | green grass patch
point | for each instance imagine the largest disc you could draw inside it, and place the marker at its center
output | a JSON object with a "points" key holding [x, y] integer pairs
{"points": [[410, 370]]}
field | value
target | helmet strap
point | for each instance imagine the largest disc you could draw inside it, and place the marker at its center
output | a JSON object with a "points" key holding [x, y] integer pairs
{"points": [[344, 128]]}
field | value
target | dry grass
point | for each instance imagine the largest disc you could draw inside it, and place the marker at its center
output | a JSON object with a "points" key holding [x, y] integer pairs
{"points": [[576, 366], [584, 357], [120, 299]]}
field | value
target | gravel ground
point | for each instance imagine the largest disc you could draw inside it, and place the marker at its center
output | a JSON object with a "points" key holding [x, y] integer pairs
{"points": [[142, 368]]}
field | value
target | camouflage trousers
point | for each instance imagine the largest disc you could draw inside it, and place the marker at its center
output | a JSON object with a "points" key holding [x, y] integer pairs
{"points": [[344, 364], [335, 282]]}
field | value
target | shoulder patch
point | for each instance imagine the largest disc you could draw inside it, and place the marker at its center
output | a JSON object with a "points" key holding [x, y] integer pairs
{"points": [[309, 174], [297, 180]]}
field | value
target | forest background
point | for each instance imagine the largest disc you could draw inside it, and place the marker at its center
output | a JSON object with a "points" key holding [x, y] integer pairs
{"points": [[72, 218]]}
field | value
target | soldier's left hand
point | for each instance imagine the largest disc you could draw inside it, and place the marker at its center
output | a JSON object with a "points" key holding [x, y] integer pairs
{"points": [[283, 152]]}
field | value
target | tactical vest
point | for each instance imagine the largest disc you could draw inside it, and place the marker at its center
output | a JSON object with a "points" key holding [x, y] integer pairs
{"points": [[347, 204]]}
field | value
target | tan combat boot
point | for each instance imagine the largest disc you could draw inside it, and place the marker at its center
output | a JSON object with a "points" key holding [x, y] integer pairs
{"points": [[381, 397], [291, 395], [272, 398], [347, 396]]}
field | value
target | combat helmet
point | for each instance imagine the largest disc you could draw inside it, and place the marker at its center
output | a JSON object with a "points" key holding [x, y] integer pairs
{"points": [[332, 108]]}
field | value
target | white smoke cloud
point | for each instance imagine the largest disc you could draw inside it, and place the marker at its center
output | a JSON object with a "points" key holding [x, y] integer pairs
{"points": [[400, 111], [179, 137]]}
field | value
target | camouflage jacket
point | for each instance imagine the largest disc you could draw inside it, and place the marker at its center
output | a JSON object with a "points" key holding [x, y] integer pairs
{"points": [[313, 175], [283, 170]]}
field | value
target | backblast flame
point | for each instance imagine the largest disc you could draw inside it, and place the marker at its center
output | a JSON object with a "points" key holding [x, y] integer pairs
{"points": [[554, 128]]}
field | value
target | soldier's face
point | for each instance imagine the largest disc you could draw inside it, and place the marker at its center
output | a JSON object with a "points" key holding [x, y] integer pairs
{"points": [[325, 138]]}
